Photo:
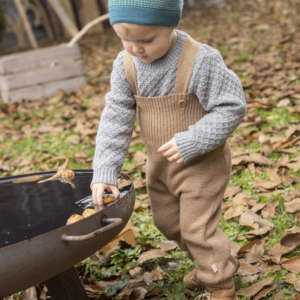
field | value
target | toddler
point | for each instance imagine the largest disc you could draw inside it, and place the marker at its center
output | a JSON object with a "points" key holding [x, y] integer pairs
{"points": [[188, 103]]}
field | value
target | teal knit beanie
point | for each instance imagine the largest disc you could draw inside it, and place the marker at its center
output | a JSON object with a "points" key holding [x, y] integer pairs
{"points": [[145, 12]]}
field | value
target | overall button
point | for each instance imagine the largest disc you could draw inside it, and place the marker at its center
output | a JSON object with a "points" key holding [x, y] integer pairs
{"points": [[181, 102]]}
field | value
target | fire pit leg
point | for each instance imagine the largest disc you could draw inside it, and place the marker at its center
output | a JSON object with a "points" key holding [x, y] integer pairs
{"points": [[66, 286]]}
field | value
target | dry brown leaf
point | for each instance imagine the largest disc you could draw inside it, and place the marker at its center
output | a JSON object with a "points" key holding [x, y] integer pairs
{"points": [[166, 245], [297, 220], [258, 206], [255, 253], [157, 273], [265, 144], [128, 235], [265, 291], [290, 278], [292, 206], [291, 130], [274, 181], [292, 237], [140, 158], [238, 206], [73, 139], [297, 285], [278, 296], [139, 183], [255, 288], [137, 271], [249, 278], [250, 158], [151, 254], [231, 191], [251, 219], [246, 269], [247, 247], [259, 159], [277, 251], [292, 264], [268, 211]]}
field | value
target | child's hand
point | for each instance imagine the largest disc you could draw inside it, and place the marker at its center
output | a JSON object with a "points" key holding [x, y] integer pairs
{"points": [[171, 151], [98, 193]]}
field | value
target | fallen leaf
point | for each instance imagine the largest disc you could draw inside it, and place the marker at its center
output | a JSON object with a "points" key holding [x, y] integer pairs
{"points": [[292, 264], [268, 211], [246, 269], [166, 245], [137, 271], [256, 252], [73, 139], [140, 158], [255, 288], [151, 254], [263, 293], [231, 191], [292, 206], [274, 181]]}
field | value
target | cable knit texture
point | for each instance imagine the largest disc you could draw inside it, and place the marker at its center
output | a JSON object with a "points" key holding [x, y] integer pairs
{"points": [[218, 89]]}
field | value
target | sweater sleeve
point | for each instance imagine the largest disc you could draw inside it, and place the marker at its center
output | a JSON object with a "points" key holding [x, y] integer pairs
{"points": [[221, 95], [115, 128]]}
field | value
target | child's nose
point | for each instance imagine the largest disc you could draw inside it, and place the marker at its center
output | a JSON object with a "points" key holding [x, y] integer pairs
{"points": [[138, 49]]}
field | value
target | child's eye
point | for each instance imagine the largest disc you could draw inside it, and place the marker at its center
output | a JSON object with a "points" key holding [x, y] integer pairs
{"points": [[147, 42]]}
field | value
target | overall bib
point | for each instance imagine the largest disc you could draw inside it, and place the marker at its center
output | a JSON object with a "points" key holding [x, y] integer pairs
{"points": [[185, 198]]}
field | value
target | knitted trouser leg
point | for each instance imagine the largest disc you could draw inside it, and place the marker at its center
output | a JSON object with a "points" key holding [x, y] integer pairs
{"points": [[165, 206], [166, 212], [201, 187]]}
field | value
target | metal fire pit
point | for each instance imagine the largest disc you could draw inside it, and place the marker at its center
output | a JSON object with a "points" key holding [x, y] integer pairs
{"points": [[35, 244]]}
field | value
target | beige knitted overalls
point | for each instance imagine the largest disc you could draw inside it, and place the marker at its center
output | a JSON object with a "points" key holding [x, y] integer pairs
{"points": [[186, 198]]}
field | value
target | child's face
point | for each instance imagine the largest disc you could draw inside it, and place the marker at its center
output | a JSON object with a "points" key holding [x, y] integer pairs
{"points": [[148, 43]]}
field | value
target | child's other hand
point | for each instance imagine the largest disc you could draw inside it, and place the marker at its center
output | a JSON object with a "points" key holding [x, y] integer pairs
{"points": [[98, 193], [171, 151]]}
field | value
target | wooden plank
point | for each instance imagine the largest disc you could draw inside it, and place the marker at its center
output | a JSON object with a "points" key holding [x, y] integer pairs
{"points": [[89, 11], [66, 286], [66, 4], [43, 90], [64, 18], [26, 23], [42, 75], [33, 59]]}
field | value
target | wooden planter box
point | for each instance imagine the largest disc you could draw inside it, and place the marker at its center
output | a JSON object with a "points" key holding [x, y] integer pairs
{"points": [[40, 73]]}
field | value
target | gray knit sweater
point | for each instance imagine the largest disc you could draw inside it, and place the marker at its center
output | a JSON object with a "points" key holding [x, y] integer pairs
{"points": [[218, 89]]}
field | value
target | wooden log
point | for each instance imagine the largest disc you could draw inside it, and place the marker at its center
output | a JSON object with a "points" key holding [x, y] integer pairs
{"points": [[64, 18], [43, 90], [42, 75], [27, 25], [21, 62]]}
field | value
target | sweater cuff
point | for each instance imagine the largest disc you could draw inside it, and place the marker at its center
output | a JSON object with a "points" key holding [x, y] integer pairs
{"points": [[187, 147], [105, 175]]}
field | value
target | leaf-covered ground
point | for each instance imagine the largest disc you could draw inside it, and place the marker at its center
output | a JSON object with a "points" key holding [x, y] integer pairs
{"points": [[259, 40]]}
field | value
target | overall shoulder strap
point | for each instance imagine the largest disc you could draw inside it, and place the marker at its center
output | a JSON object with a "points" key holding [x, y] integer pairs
{"points": [[130, 72], [186, 65]]}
